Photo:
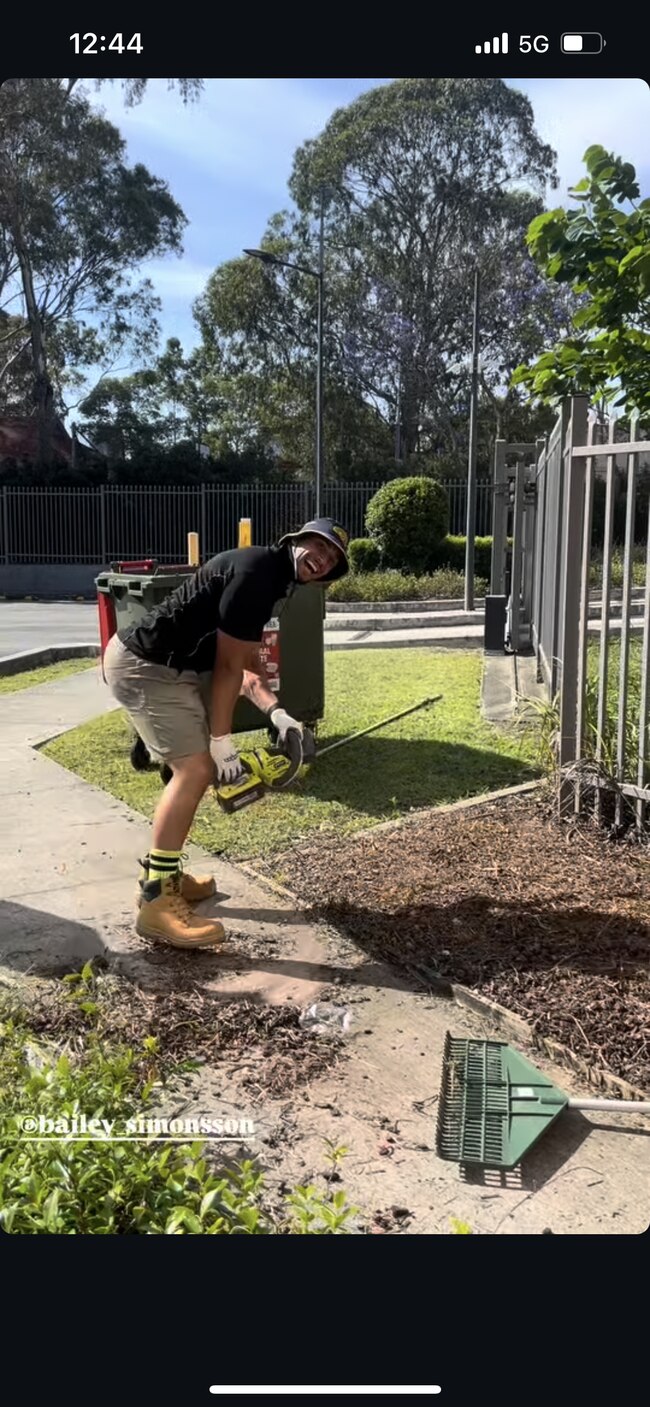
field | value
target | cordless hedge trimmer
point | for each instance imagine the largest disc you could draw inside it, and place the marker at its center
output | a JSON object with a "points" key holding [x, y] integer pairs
{"points": [[274, 768]]}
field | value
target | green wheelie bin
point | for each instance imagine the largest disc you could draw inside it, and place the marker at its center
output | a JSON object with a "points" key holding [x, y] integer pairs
{"points": [[292, 644]]}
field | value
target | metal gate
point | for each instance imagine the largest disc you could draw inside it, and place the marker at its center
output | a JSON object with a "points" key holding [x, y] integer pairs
{"points": [[591, 640], [514, 542]]}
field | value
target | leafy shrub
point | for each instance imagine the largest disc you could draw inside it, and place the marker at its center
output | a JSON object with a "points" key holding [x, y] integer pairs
{"points": [[451, 553], [642, 500], [364, 554], [112, 1186], [408, 518], [638, 567], [396, 586]]}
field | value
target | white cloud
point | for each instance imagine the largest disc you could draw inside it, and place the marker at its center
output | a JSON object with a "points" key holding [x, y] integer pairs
{"points": [[573, 114], [243, 130]]}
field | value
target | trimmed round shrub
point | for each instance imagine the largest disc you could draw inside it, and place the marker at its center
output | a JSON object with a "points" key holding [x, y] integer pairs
{"points": [[408, 518], [364, 554]]}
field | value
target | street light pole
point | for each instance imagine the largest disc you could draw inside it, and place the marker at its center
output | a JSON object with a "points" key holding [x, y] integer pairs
{"points": [[319, 363]]}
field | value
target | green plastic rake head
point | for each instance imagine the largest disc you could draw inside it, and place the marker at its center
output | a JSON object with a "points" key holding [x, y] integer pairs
{"points": [[494, 1105]]}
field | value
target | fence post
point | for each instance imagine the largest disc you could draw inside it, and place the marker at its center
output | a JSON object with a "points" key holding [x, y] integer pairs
{"points": [[583, 640], [102, 524], [530, 499], [574, 478], [626, 604], [204, 524], [556, 566], [5, 524], [541, 471], [605, 594], [644, 706], [499, 515], [517, 547]]}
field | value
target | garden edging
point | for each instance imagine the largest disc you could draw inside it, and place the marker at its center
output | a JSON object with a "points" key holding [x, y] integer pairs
{"points": [[49, 654]]}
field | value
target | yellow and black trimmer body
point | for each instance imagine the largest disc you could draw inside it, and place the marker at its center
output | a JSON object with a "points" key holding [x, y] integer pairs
{"points": [[268, 769]]}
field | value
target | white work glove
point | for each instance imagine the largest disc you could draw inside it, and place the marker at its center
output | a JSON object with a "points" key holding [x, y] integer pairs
{"points": [[226, 759], [283, 722]]}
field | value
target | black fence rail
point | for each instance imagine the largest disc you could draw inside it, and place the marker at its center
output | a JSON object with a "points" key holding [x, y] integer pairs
{"points": [[113, 521]]}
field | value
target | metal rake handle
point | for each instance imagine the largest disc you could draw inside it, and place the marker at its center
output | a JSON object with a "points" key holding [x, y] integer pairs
{"points": [[617, 1106]]}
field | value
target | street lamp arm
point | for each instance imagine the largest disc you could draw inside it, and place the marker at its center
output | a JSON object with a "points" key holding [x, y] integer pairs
{"points": [[265, 258]]}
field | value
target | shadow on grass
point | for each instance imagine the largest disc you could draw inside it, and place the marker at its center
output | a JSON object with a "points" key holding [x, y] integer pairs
{"points": [[381, 776]]}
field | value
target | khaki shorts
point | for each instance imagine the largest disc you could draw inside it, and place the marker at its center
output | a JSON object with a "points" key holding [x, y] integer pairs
{"points": [[170, 711]]}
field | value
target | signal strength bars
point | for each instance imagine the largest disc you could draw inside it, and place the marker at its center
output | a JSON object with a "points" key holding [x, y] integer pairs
{"points": [[493, 46]]}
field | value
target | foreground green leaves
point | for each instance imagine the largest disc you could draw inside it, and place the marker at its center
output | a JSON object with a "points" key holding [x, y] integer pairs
{"points": [[603, 253], [110, 1187]]}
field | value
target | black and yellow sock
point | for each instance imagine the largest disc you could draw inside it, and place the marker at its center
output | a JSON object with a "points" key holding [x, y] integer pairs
{"points": [[163, 863]]}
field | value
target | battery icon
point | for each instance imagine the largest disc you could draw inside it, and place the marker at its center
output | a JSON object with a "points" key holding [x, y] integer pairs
{"points": [[585, 43]]}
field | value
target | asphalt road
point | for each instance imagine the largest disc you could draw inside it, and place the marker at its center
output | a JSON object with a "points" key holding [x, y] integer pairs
{"points": [[31, 625]]}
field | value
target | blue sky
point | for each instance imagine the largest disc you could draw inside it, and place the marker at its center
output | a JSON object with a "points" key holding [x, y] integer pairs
{"points": [[227, 159]]}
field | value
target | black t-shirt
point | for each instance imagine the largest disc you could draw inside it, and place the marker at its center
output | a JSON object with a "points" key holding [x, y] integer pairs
{"points": [[234, 592]]}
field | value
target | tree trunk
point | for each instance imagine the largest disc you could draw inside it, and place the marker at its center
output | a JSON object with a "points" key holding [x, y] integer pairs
{"points": [[43, 392], [410, 417]]}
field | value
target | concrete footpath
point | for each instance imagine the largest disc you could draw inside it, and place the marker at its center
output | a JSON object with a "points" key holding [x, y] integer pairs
{"points": [[67, 894]]}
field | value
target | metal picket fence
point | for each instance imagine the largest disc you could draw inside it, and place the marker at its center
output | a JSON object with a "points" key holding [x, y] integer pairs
{"points": [[592, 639], [98, 525]]}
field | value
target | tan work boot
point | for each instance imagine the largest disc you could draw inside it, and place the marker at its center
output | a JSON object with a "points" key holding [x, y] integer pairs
{"points": [[194, 888], [164, 914]]}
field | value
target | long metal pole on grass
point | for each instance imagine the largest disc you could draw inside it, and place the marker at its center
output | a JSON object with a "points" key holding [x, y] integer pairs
{"points": [[423, 704]]}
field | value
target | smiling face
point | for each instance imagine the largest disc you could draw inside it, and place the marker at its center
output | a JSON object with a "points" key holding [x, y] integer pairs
{"points": [[315, 558]]}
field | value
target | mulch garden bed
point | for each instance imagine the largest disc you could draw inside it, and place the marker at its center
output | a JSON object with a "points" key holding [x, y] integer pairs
{"points": [[549, 919], [274, 1052]]}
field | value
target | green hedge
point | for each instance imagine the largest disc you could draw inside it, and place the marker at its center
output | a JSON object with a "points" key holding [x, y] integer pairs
{"points": [[396, 586], [364, 554], [451, 553]]}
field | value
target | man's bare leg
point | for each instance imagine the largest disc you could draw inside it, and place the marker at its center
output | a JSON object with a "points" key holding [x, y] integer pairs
{"points": [[164, 913], [180, 800]]}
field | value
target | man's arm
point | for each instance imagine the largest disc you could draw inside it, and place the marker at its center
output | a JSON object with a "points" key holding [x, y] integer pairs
{"points": [[233, 658], [255, 685]]}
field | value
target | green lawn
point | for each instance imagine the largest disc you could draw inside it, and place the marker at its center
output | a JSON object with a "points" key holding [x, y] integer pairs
{"points": [[29, 678], [439, 755]]}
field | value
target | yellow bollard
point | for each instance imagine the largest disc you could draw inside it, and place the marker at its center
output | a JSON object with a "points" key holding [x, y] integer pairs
{"points": [[245, 533], [192, 549]]}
